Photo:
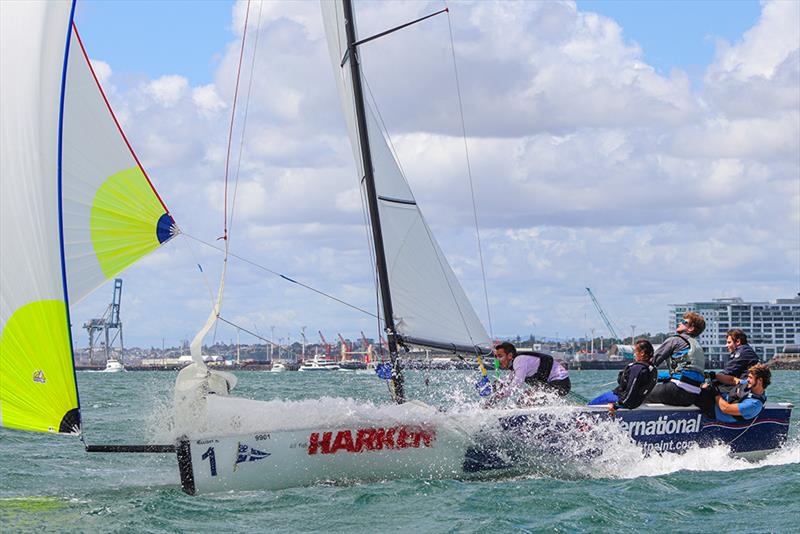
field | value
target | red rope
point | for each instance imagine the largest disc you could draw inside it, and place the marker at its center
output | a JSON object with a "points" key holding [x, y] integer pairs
{"points": [[114, 117], [233, 116]]}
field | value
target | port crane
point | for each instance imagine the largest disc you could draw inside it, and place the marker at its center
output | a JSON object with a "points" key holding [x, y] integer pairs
{"points": [[346, 349], [603, 315], [325, 344], [109, 321]]}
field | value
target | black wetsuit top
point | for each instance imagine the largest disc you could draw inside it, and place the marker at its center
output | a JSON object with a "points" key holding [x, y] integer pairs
{"points": [[636, 381]]}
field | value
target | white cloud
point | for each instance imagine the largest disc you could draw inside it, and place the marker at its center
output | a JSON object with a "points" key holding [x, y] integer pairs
{"points": [[590, 168], [167, 90], [102, 70], [205, 97]]}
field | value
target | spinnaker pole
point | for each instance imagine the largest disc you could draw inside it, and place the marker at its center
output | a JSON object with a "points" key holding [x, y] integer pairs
{"points": [[372, 201]]}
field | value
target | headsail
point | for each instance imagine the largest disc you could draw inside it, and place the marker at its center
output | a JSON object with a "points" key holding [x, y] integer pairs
{"points": [[75, 209], [429, 305]]}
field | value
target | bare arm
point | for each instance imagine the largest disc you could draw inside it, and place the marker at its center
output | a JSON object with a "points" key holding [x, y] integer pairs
{"points": [[728, 408], [728, 380]]}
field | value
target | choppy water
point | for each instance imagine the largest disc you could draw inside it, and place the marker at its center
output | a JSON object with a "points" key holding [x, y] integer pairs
{"points": [[48, 483]]}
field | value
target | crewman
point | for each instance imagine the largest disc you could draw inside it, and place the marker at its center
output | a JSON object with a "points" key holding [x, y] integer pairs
{"points": [[686, 363], [744, 403], [538, 370], [636, 381], [742, 358]]}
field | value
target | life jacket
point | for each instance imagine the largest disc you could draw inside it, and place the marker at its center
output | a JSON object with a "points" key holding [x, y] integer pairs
{"points": [[623, 377], [687, 366], [543, 372], [741, 393]]}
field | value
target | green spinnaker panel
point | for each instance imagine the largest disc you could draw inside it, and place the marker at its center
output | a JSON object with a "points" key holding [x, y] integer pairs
{"points": [[37, 381], [124, 219]]}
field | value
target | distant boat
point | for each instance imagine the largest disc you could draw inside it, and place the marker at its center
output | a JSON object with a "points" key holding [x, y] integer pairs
{"points": [[278, 367], [319, 365], [113, 365]]}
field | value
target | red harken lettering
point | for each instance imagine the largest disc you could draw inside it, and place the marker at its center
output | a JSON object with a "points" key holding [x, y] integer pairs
{"points": [[371, 439]]}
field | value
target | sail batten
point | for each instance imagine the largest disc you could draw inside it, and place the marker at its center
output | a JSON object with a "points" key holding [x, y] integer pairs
{"points": [[428, 302]]}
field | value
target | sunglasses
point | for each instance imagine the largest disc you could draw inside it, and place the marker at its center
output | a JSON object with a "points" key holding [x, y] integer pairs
{"points": [[684, 321]]}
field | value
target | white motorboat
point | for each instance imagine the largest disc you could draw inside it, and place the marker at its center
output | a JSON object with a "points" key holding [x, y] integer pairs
{"points": [[113, 365], [278, 367], [319, 365]]}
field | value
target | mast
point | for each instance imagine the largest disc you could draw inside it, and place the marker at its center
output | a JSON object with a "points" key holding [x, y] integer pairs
{"points": [[372, 201]]}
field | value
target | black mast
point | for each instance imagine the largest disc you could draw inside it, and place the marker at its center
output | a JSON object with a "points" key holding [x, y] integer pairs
{"points": [[372, 200]]}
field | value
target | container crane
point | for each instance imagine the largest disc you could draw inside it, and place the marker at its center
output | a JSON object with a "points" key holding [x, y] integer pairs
{"points": [[325, 344], [603, 315], [109, 321], [345, 347]]}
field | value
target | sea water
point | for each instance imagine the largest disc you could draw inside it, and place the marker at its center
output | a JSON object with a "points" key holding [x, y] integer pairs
{"points": [[48, 483]]}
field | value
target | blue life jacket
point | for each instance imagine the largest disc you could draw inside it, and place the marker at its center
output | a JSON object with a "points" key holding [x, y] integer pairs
{"points": [[740, 393]]}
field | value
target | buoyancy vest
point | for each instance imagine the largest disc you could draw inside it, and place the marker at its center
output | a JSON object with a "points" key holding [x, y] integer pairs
{"points": [[740, 393], [543, 372], [624, 376], [687, 365]]}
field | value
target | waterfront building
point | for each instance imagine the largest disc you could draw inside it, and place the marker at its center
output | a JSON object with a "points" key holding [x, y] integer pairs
{"points": [[769, 325]]}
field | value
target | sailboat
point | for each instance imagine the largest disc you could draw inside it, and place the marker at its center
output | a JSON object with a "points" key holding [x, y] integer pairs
{"points": [[78, 207], [227, 443]]}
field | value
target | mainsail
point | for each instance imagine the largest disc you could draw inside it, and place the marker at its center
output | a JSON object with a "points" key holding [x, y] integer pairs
{"points": [[76, 208], [429, 306]]}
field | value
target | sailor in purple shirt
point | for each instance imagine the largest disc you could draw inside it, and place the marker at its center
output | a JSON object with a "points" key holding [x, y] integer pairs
{"points": [[538, 370]]}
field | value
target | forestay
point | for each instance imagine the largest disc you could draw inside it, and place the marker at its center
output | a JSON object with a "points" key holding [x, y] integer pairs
{"points": [[430, 307], [75, 209]]}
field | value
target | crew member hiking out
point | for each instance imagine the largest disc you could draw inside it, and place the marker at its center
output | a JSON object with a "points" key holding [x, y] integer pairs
{"points": [[742, 357], [686, 363], [744, 403], [540, 371], [636, 381]]}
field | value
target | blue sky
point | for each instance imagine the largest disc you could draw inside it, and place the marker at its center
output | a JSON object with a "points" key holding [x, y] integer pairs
{"points": [[155, 38], [597, 162], [678, 33], [130, 34]]}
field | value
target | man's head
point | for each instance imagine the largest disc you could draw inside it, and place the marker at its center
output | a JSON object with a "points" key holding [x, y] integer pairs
{"points": [[643, 351], [692, 324], [736, 338], [505, 353], [759, 377]]}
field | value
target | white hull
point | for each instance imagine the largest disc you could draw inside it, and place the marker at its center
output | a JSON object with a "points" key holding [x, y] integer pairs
{"points": [[229, 443], [277, 460], [113, 366]]}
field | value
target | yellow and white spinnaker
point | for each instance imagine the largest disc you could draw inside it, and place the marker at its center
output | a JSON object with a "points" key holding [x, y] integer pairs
{"points": [[76, 208]]}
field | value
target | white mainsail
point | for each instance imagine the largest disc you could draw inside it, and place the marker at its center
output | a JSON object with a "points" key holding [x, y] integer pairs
{"points": [[428, 302]]}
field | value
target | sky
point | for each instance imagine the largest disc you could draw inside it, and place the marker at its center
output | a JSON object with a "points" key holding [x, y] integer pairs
{"points": [[650, 151]]}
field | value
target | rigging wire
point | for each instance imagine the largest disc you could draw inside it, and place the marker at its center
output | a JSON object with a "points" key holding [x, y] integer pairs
{"points": [[233, 117], [244, 115], [469, 173], [202, 272], [288, 279]]}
